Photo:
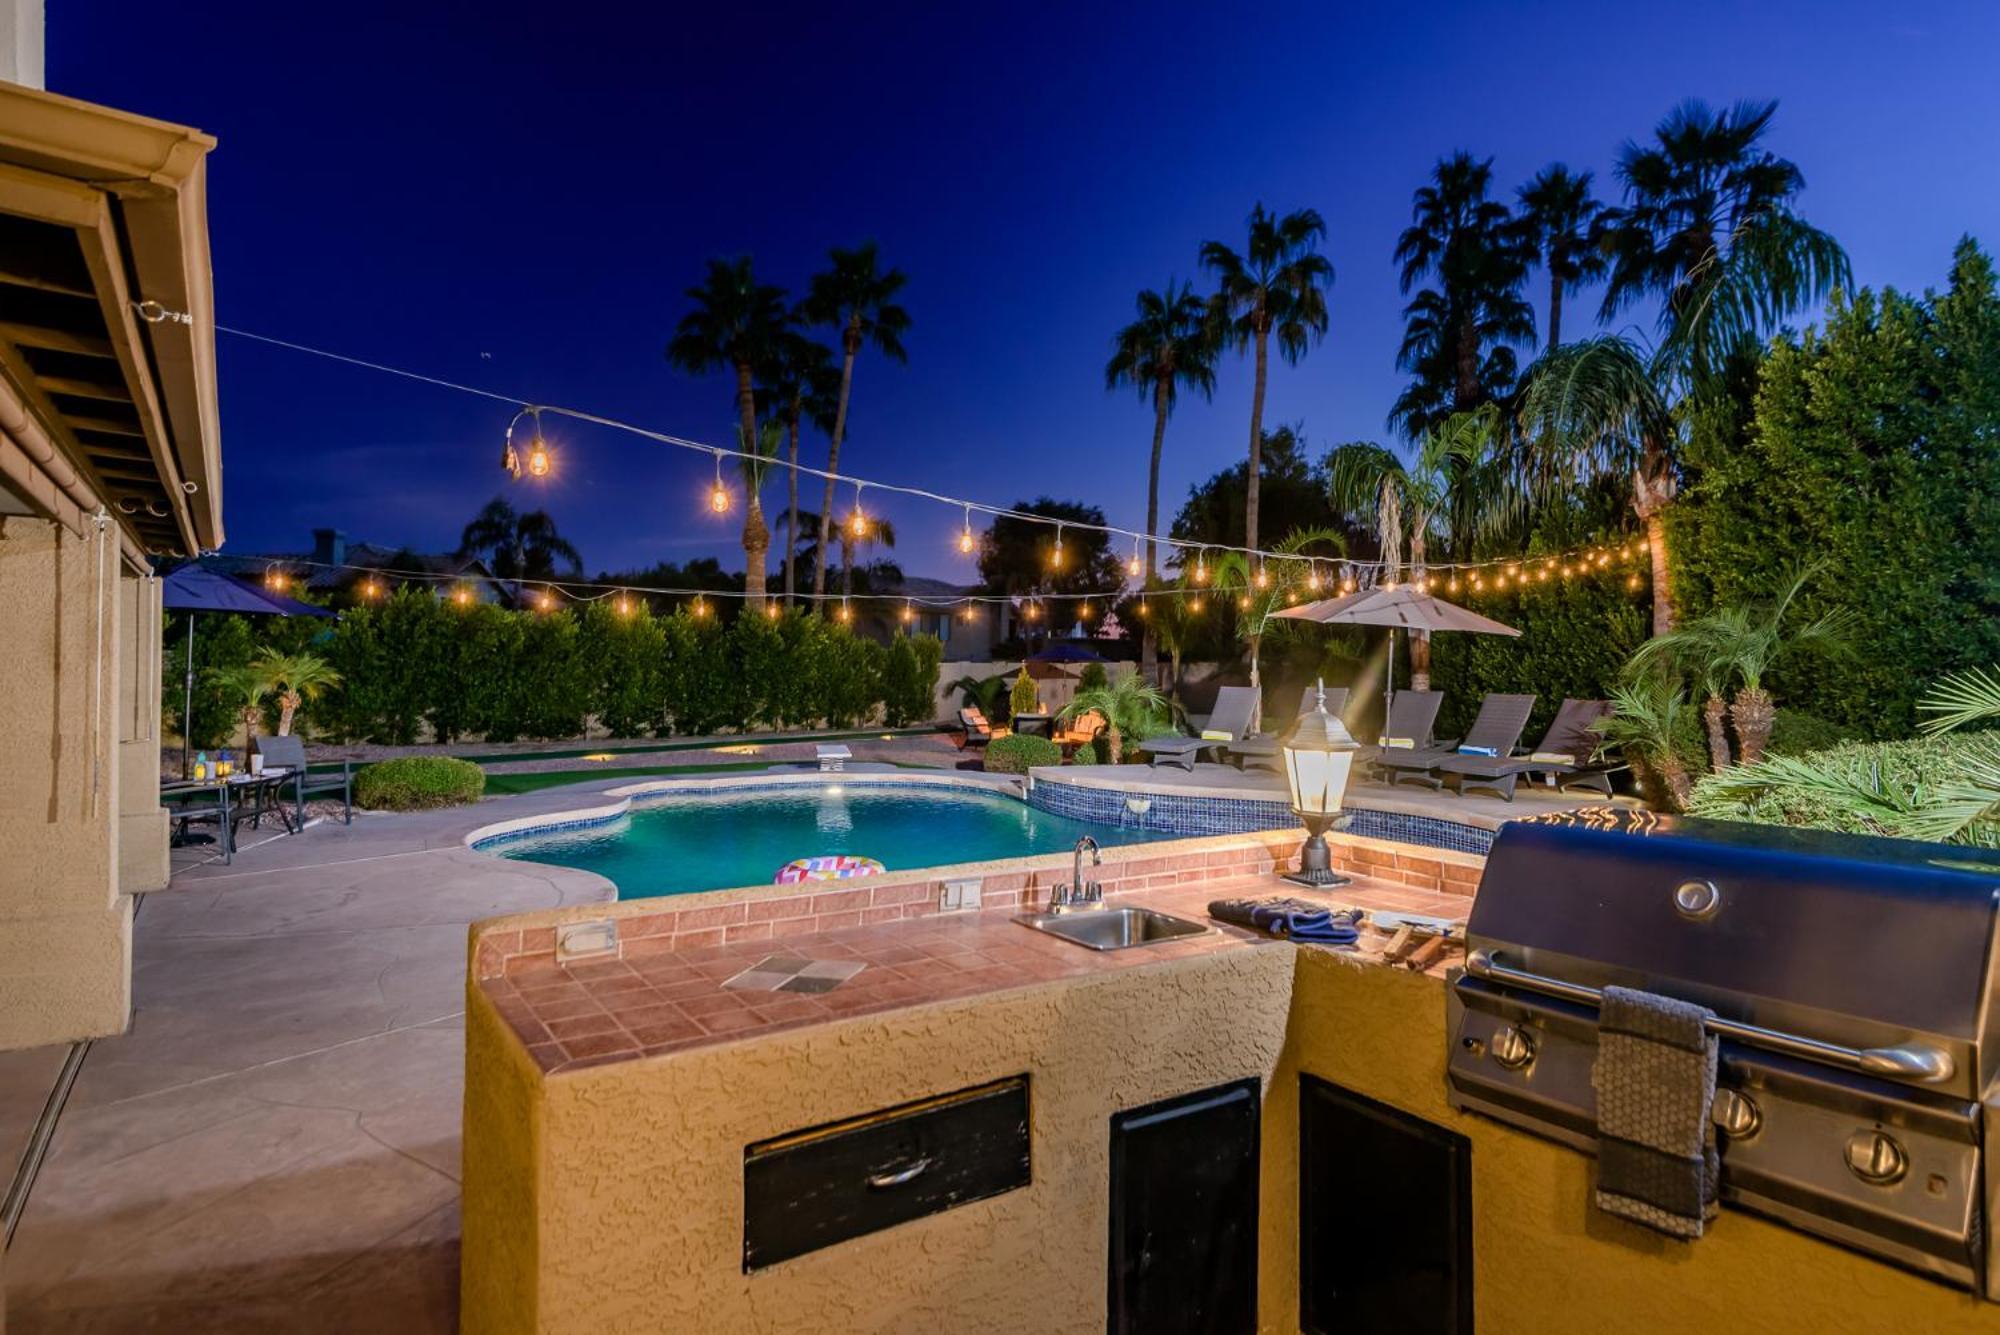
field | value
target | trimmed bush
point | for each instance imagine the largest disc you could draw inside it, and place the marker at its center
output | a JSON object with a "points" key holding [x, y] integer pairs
{"points": [[415, 783], [1017, 754]]}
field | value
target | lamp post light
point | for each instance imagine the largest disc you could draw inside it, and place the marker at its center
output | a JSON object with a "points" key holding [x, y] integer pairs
{"points": [[1318, 753]]}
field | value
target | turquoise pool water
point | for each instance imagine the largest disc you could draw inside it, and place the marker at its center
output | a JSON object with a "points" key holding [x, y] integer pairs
{"points": [[713, 841]]}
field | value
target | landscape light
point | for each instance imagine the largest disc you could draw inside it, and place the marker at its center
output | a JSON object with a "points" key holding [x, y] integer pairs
{"points": [[1319, 755]]}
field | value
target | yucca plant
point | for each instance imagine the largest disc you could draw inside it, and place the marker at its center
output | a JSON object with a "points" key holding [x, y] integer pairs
{"points": [[1130, 707]]}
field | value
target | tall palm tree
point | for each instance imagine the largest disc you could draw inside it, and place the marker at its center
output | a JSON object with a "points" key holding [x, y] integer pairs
{"points": [[1278, 284], [1170, 346], [856, 298], [734, 323], [518, 546], [800, 385], [1459, 333], [1707, 229], [754, 463], [1561, 219]]}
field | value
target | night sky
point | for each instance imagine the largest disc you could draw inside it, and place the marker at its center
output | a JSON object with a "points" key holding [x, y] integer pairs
{"points": [[516, 196]]}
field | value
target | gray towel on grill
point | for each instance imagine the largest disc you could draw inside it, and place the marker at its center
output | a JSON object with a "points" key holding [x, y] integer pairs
{"points": [[1655, 1080]]}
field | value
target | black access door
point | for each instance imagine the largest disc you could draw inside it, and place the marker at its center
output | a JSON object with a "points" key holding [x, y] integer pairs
{"points": [[1385, 1219], [1184, 1214]]}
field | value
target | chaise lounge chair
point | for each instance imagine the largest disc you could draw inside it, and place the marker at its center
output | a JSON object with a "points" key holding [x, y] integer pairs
{"points": [[1412, 715], [289, 754], [1494, 733], [1234, 708], [1563, 757], [1262, 748], [978, 732]]}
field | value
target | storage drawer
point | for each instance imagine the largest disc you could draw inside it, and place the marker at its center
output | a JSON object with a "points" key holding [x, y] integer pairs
{"points": [[816, 1187]]}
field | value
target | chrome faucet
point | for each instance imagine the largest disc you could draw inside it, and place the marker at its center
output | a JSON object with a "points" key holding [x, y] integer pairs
{"points": [[1078, 893]]}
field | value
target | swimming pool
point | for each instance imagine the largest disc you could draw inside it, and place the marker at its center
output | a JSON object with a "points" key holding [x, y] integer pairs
{"points": [[720, 839]]}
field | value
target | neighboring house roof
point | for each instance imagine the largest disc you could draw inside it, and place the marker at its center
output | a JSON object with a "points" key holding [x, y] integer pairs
{"points": [[325, 578]]}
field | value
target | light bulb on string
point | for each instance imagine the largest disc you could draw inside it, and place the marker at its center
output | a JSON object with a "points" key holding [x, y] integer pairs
{"points": [[718, 495], [1034, 612], [1263, 577], [548, 601], [909, 610], [624, 605], [1144, 610], [1244, 602], [1135, 567], [1201, 566], [773, 611], [966, 542], [857, 523], [1312, 576], [700, 608], [540, 461], [1194, 604], [1632, 582], [1083, 612], [970, 614], [846, 612], [1055, 555]]}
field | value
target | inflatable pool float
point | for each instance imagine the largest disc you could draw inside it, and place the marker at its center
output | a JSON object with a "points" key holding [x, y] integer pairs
{"points": [[834, 867]]}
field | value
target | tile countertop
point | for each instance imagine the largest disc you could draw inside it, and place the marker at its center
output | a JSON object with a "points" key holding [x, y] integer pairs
{"points": [[591, 1013]]}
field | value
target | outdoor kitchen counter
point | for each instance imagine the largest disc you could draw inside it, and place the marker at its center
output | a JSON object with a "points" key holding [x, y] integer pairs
{"points": [[591, 1013]]}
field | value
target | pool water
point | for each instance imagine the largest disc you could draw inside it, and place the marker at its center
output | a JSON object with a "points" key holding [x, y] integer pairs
{"points": [[714, 841]]}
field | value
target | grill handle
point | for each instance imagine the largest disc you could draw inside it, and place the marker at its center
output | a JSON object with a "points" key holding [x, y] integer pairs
{"points": [[1915, 1061]]}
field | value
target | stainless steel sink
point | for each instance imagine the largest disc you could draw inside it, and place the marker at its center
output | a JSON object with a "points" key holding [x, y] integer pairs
{"points": [[1112, 929]]}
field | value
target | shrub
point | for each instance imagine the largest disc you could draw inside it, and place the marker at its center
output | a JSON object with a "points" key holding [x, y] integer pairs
{"points": [[1021, 695], [1016, 754], [1794, 733], [909, 679], [1092, 678], [1859, 787], [414, 783]]}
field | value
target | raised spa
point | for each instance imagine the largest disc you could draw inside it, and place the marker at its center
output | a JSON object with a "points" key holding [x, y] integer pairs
{"points": [[686, 842]]}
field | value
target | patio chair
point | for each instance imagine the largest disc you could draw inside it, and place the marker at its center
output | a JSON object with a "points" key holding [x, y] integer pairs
{"points": [[974, 727], [1235, 706], [1079, 732], [1261, 749], [1495, 732], [1563, 756], [1412, 715], [289, 754]]}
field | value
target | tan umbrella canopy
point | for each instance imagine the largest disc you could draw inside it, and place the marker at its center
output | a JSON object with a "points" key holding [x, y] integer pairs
{"points": [[1402, 607]]}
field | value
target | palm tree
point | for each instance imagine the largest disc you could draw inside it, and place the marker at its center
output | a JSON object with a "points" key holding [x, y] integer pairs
{"points": [[754, 461], [1561, 219], [1740, 645], [1458, 334], [518, 546], [244, 685], [800, 384], [297, 678], [1645, 726], [856, 297], [1261, 591], [1707, 229], [1130, 707], [1172, 344], [733, 326], [1277, 285], [1411, 506]]}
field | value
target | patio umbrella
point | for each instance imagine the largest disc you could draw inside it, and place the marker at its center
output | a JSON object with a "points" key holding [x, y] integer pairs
{"points": [[1404, 607], [195, 588], [1060, 652]]}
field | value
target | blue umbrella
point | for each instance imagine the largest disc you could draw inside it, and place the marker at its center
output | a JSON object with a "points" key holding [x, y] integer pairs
{"points": [[1066, 653], [195, 588]]}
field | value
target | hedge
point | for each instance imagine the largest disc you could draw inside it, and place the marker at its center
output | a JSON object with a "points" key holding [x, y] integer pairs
{"points": [[1913, 768], [1017, 754], [482, 671], [413, 783]]}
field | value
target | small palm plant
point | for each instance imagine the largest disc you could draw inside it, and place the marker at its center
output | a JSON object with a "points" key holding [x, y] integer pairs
{"points": [[1261, 591], [1645, 725], [296, 678], [244, 686], [1131, 709], [986, 694]]}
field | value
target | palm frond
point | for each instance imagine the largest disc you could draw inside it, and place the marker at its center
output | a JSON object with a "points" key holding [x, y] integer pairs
{"points": [[1963, 698]]}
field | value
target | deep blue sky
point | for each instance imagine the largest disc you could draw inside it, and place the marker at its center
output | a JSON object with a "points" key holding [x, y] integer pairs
{"points": [[517, 196]]}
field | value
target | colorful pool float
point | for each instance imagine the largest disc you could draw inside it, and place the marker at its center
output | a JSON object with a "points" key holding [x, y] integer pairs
{"points": [[833, 867]]}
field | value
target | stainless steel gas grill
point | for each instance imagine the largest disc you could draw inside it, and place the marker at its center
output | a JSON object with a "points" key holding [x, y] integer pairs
{"points": [[1852, 982]]}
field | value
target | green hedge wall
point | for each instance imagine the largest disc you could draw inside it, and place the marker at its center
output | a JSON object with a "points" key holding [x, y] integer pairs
{"points": [[1575, 637], [482, 671]]}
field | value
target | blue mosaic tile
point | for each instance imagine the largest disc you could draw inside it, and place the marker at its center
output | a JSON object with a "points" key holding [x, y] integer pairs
{"points": [[1173, 813]]}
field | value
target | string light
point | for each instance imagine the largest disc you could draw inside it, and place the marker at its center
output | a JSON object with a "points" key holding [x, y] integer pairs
{"points": [[461, 596], [966, 542], [1201, 566], [1034, 613], [772, 611], [970, 615], [1083, 612], [857, 523], [1135, 567], [846, 612], [909, 610], [547, 602], [1244, 602], [1055, 554], [1263, 577], [718, 496], [1312, 576], [1194, 604], [1144, 610], [1633, 583], [700, 608], [624, 606]]}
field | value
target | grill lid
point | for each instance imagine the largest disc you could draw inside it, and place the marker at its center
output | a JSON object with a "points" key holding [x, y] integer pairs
{"points": [[1866, 943]]}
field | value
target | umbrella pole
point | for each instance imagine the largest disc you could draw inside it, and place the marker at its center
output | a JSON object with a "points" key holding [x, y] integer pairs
{"points": [[1388, 679], [187, 706]]}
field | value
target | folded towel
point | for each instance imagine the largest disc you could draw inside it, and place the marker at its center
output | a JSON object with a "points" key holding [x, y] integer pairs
{"points": [[1401, 743], [1217, 735], [1655, 1081], [1554, 757], [1479, 750], [1289, 917]]}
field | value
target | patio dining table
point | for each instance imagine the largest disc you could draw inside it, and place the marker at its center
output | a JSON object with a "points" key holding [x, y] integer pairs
{"points": [[239, 797]]}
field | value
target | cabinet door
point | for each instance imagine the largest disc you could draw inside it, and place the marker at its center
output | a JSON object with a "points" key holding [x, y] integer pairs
{"points": [[1184, 1214], [1385, 1218]]}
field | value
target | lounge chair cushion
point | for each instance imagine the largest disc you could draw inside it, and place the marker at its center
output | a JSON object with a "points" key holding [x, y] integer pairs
{"points": [[1217, 735]]}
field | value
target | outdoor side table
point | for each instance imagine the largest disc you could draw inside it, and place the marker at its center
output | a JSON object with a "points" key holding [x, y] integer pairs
{"points": [[1034, 725], [833, 757]]}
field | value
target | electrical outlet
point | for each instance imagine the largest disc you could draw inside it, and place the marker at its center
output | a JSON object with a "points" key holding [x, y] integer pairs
{"points": [[957, 895], [583, 940]]}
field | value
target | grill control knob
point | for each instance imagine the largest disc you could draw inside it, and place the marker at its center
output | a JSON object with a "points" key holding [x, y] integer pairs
{"points": [[1876, 1158], [1736, 1115], [1513, 1049], [1697, 899]]}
